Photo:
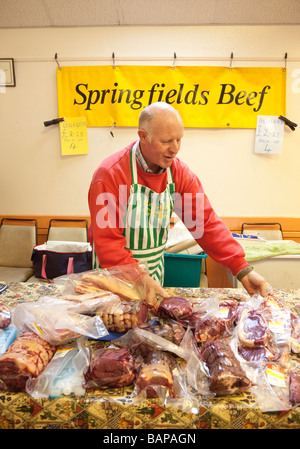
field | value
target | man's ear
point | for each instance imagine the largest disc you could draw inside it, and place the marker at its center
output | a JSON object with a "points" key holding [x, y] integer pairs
{"points": [[142, 135]]}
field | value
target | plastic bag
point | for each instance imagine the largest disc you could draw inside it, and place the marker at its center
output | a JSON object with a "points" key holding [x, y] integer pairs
{"points": [[263, 331], [226, 374], [110, 368], [217, 321], [127, 315], [175, 307], [271, 390], [160, 376], [125, 281], [155, 379], [295, 334], [26, 357], [160, 343], [294, 384], [7, 337], [56, 321], [62, 375], [196, 371], [171, 331]]}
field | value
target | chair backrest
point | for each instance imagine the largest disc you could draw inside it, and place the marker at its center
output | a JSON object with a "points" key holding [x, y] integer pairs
{"points": [[266, 230], [68, 233], [17, 240]]}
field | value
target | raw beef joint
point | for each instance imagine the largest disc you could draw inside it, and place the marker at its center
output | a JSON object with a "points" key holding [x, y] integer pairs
{"points": [[209, 329], [111, 368], [175, 307], [253, 329], [226, 375], [155, 378], [26, 357]]}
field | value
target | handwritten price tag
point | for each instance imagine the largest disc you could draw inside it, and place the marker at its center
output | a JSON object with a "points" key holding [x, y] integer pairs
{"points": [[269, 134], [73, 136]]}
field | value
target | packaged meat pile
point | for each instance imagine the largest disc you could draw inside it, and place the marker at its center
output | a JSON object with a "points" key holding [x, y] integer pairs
{"points": [[182, 348]]}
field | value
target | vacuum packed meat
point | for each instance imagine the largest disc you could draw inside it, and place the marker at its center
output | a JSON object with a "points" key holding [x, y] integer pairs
{"points": [[258, 354], [226, 376], [294, 387], [155, 378], [26, 357], [208, 329], [228, 310], [253, 328], [175, 307], [127, 315], [110, 368]]}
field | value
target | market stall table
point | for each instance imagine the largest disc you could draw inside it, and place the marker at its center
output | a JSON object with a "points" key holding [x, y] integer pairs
{"points": [[116, 409]]}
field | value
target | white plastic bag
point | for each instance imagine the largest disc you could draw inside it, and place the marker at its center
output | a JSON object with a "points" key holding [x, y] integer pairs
{"points": [[57, 321], [63, 374]]}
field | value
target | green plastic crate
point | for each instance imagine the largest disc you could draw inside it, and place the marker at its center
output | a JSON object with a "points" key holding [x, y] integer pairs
{"points": [[183, 270]]}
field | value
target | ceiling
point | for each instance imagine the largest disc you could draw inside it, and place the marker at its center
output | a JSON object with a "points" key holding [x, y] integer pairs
{"points": [[83, 13]]}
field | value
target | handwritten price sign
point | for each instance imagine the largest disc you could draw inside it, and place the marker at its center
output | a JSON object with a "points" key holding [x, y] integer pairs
{"points": [[269, 134], [73, 136]]}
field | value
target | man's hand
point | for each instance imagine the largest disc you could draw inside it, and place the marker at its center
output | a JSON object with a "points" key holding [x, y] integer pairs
{"points": [[255, 283], [153, 289]]}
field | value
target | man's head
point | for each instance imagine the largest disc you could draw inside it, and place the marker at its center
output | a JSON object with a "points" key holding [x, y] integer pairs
{"points": [[160, 132]]}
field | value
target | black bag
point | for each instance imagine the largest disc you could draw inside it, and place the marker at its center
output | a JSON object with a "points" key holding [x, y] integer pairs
{"points": [[51, 263]]}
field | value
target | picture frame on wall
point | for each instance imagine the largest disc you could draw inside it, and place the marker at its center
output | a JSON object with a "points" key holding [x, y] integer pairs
{"points": [[7, 72]]}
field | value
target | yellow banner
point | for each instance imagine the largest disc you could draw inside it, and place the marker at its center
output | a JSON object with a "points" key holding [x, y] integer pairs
{"points": [[206, 97]]}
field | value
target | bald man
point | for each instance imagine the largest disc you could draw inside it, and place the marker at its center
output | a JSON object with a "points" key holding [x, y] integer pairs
{"points": [[133, 194]]}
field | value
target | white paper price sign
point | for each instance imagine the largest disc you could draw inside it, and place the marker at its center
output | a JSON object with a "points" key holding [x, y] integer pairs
{"points": [[269, 134]]}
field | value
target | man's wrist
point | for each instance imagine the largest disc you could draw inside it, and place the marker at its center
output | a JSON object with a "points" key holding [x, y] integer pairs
{"points": [[242, 273]]}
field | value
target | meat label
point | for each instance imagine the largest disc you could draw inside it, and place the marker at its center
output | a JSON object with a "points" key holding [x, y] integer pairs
{"points": [[276, 375], [277, 327]]}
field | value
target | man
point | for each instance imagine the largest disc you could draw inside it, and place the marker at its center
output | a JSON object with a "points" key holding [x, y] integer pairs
{"points": [[133, 194]]}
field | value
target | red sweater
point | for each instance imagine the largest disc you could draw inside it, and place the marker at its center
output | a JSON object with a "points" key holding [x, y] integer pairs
{"points": [[107, 210]]}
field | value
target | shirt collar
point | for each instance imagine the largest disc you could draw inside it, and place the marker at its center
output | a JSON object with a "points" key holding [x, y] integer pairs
{"points": [[143, 163]]}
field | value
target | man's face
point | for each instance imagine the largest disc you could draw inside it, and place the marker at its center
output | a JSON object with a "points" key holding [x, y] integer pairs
{"points": [[162, 141]]}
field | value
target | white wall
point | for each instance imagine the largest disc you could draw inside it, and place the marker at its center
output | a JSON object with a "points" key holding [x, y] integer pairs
{"points": [[36, 179]]}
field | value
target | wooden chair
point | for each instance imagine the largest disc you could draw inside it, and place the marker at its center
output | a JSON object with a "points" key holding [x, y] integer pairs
{"points": [[17, 240], [69, 230]]}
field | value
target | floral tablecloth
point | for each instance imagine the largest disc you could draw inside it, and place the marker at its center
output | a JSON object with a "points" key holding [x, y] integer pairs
{"points": [[116, 409]]}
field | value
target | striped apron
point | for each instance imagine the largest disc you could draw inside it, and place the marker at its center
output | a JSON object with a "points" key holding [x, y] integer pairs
{"points": [[147, 221]]}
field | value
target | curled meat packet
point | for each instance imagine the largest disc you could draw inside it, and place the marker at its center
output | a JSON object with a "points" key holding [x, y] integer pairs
{"points": [[5, 316], [257, 354], [175, 307], [26, 357], [253, 329], [110, 368]]}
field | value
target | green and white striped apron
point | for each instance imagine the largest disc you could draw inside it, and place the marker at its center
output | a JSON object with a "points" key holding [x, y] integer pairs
{"points": [[147, 221]]}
